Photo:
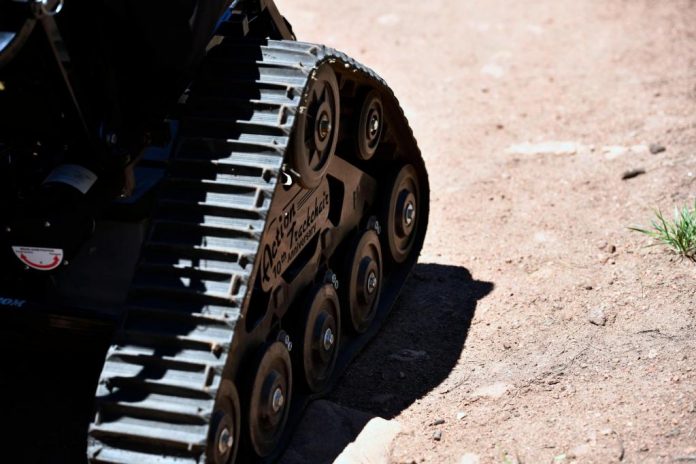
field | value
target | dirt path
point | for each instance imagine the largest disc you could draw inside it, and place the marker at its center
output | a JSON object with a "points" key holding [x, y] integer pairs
{"points": [[527, 243]]}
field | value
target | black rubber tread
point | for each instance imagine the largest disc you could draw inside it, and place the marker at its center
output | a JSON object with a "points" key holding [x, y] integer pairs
{"points": [[158, 387]]}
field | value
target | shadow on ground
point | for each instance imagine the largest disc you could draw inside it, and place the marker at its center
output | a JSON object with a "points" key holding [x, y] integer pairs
{"points": [[419, 344], [414, 352]]}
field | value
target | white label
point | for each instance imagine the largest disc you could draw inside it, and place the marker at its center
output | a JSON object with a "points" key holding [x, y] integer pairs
{"points": [[41, 259], [74, 175]]}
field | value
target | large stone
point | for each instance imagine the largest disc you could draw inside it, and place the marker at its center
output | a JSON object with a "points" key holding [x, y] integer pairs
{"points": [[324, 432], [373, 445]]}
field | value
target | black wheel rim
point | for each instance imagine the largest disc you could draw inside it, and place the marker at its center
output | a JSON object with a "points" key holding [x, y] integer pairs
{"points": [[270, 399], [321, 339], [370, 126], [402, 214], [364, 275], [225, 426], [317, 128]]}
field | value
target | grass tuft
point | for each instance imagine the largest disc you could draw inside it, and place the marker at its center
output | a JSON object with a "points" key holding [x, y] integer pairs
{"points": [[678, 234]]}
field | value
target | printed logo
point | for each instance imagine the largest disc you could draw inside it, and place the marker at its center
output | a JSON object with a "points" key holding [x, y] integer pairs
{"points": [[13, 302], [290, 232]]}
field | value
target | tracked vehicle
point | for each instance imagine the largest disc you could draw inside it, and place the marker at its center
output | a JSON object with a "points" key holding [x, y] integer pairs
{"points": [[240, 207]]}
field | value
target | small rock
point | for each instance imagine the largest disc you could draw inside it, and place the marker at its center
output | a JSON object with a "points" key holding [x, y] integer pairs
{"points": [[597, 316], [602, 245], [437, 422], [656, 148], [631, 173], [578, 451], [437, 435], [607, 431], [686, 458], [407, 355], [469, 458], [495, 390], [611, 249], [402, 375], [372, 444], [644, 448], [461, 415], [545, 148], [506, 345]]}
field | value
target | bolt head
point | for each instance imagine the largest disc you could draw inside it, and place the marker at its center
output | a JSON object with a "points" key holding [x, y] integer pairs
{"points": [[409, 213], [372, 283], [226, 441], [324, 126], [374, 125], [328, 339], [278, 400]]}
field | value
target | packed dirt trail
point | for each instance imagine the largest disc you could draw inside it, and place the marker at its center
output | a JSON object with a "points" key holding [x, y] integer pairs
{"points": [[537, 327]]}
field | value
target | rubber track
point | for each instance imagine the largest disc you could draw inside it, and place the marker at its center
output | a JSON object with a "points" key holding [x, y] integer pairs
{"points": [[158, 387]]}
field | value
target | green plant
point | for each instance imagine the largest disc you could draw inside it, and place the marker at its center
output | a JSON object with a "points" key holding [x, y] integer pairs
{"points": [[678, 234]]}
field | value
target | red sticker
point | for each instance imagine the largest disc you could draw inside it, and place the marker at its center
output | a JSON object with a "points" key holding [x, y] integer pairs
{"points": [[41, 259]]}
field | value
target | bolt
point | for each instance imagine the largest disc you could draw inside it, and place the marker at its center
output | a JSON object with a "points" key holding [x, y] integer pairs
{"points": [[377, 227], [372, 283], [324, 126], [226, 441], [278, 400], [409, 213], [374, 125], [328, 339]]}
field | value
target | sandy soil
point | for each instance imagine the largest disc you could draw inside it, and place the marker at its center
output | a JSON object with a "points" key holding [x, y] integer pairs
{"points": [[541, 328]]}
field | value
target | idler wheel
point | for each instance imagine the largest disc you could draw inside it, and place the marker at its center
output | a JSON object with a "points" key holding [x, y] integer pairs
{"points": [[316, 132], [270, 399], [401, 213], [362, 281], [320, 336], [370, 126], [225, 426]]}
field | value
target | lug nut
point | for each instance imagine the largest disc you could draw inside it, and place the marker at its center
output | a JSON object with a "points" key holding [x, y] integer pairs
{"points": [[226, 441], [374, 125], [371, 283], [324, 126], [278, 400], [409, 213], [328, 339]]}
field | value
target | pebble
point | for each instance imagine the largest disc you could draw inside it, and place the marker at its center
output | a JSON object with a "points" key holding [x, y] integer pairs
{"points": [[597, 316], [656, 148], [461, 415], [631, 173], [437, 422], [437, 435], [407, 355], [469, 458]]}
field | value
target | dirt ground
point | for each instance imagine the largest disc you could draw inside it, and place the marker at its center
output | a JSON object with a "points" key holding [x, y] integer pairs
{"points": [[540, 328]]}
